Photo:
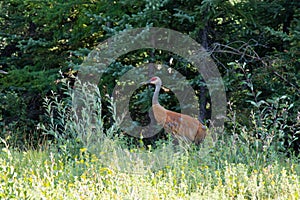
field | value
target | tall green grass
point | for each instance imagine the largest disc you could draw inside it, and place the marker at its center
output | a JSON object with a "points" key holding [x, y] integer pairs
{"points": [[86, 161], [48, 175]]}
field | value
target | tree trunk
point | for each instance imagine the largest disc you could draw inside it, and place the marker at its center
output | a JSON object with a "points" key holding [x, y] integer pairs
{"points": [[203, 36]]}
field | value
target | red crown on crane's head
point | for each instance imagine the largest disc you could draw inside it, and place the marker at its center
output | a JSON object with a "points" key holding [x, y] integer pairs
{"points": [[153, 78]]}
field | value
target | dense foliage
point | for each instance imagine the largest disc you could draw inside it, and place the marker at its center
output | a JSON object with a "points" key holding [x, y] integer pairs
{"points": [[49, 151], [255, 44]]}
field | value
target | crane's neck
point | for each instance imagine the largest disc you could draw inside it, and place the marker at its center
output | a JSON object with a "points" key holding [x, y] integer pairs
{"points": [[156, 93]]}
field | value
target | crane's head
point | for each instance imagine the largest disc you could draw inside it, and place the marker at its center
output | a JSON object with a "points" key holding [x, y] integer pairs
{"points": [[154, 80]]}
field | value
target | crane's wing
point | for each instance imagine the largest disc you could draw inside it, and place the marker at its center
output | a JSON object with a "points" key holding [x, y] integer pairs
{"points": [[179, 124]]}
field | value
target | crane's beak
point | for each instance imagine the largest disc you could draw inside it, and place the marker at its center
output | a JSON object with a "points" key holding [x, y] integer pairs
{"points": [[145, 83]]}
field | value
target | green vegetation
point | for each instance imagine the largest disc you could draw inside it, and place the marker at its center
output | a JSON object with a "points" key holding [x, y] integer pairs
{"points": [[46, 175], [50, 151], [96, 164], [230, 169], [254, 43]]}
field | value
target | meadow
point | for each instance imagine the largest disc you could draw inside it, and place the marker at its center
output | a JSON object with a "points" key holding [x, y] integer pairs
{"points": [[227, 171], [238, 165]]}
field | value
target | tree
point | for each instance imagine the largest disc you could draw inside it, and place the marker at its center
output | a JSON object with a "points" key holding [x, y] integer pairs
{"points": [[40, 38]]}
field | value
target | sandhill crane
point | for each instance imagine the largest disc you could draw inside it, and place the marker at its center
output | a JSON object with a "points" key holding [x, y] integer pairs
{"points": [[180, 125]]}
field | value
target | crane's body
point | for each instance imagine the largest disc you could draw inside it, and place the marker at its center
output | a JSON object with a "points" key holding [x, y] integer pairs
{"points": [[180, 125]]}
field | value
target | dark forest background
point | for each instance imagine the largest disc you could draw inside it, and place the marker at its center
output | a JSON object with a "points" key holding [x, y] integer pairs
{"points": [[256, 45]]}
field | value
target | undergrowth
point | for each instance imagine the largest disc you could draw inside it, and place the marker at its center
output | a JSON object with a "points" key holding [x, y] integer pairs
{"points": [[87, 161]]}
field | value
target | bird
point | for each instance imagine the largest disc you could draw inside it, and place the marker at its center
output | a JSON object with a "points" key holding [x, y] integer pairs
{"points": [[181, 126]]}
